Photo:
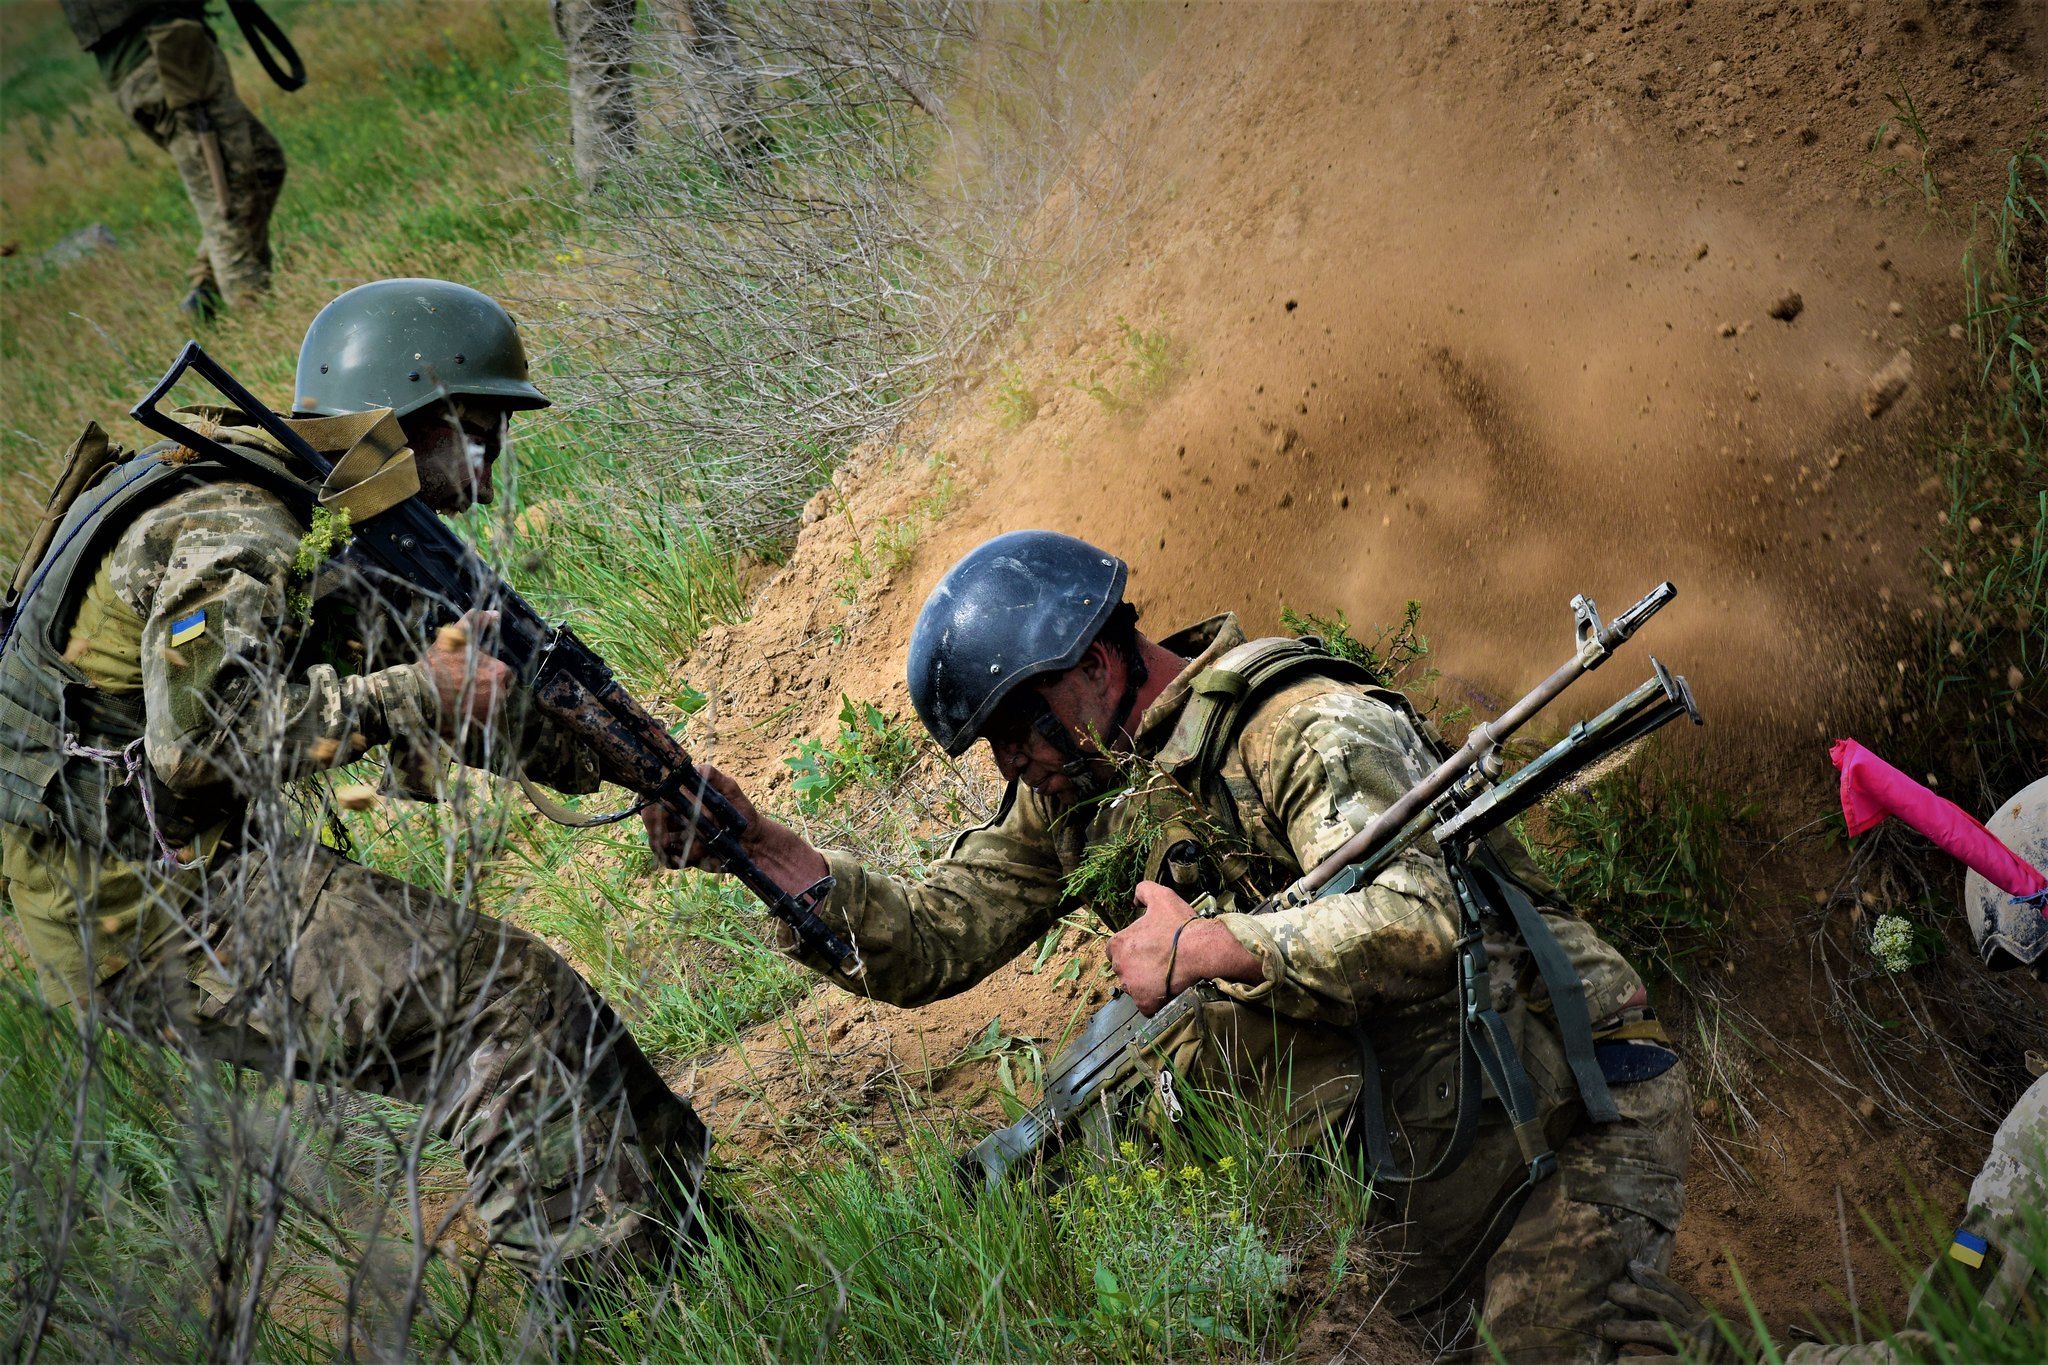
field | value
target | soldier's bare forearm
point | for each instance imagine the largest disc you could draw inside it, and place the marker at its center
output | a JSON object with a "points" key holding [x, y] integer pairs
{"points": [[786, 856]]}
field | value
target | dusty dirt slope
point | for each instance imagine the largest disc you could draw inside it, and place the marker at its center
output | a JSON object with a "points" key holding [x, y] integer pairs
{"points": [[1473, 305]]}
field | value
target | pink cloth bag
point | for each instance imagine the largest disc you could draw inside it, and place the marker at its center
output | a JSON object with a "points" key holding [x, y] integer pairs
{"points": [[1873, 789]]}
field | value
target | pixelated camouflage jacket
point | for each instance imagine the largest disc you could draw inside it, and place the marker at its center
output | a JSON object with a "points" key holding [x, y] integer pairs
{"points": [[1314, 761], [251, 675]]}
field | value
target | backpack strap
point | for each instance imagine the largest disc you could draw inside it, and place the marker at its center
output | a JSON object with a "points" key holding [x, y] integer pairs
{"points": [[1220, 699]]}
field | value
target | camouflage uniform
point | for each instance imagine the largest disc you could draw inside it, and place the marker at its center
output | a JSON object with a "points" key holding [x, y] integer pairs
{"points": [[172, 81], [262, 947], [1313, 762]]}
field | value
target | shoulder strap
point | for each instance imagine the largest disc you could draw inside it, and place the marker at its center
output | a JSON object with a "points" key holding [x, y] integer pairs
{"points": [[1220, 696]]}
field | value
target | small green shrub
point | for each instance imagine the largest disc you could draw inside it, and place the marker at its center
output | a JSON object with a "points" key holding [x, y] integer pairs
{"points": [[1396, 656], [1016, 405], [1150, 368], [871, 747], [1641, 854], [1178, 1255]]}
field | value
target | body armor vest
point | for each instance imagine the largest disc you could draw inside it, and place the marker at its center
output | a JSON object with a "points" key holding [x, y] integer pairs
{"points": [[66, 758]]}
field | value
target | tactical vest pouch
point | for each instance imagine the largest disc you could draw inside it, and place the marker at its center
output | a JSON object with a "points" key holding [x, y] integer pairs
{"points": [[190, 65], [66, 761]]}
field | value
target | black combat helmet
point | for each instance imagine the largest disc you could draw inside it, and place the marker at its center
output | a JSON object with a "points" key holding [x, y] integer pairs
{"points": [[1025, 603], [402, 344]]}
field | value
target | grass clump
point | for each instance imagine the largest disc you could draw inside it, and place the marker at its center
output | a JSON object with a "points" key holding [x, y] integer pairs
{"points": [[872, 747], [1195, 1249], [1642, 854], [1969, 703], [1151, 363], [1016, 405]]}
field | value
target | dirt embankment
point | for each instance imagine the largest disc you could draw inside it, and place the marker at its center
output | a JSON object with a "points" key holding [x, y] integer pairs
{"points": [[1484, 307]]}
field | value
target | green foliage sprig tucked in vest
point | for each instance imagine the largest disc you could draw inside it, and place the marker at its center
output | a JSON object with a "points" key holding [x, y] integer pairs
{"points": [[1395, 656], [1127, 823], [326, 537]]}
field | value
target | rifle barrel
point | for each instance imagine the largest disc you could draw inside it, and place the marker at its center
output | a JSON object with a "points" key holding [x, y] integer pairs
{"points": [[1594, 648]]}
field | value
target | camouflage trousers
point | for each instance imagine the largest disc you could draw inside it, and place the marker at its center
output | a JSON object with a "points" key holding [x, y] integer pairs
{"points": [[182, 96], [303, 964], [1538, 1281]]}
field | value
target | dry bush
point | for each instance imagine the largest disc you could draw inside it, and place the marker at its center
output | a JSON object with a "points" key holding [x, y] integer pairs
{"points": [[825, 219]]}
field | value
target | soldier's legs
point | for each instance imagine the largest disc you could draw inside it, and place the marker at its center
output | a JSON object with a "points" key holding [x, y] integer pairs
{"points": [[182, 97], [597, 40], [1616, 1197], [1304, 1076], [329, 971]]}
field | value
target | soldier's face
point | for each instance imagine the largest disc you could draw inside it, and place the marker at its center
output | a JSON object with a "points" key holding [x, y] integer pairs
{"points": [[1083, 700], [455, 444]]}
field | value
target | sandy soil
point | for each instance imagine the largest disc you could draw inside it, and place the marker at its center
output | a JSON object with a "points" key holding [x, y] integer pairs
{"points": [[1484, 307]]}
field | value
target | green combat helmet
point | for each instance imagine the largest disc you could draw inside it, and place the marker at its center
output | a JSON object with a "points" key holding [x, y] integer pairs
{"points": [[402, 344]]}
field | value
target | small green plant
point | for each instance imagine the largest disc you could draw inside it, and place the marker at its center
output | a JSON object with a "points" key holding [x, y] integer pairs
{"points": [[1395, 657], [1641, 854], [1178, 1255], [1899, 944], [1906, 124], [1016, 405], [1151, 366], [871, 747], [896, 543], [1153, 360]]}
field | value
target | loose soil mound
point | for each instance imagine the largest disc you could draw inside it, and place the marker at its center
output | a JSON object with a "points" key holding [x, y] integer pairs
{"points": [[1480, 306]]}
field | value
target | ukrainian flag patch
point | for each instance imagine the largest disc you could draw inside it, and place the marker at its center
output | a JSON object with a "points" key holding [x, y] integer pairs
{"points": [[1968, 1248], [190, 628]]}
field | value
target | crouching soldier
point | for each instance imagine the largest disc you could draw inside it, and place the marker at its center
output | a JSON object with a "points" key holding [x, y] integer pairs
{"points": [[177, 659], [1234, 765]]}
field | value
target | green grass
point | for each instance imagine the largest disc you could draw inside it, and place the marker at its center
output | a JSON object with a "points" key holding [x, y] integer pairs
{"points": [[1969, 705], [1182, 1253], [1946, 1323], [1642, 855], [131, 1179]]}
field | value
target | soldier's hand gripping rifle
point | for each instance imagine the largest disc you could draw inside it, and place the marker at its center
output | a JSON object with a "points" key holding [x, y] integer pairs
{"points": [[410, 553], [1116, 1061]]}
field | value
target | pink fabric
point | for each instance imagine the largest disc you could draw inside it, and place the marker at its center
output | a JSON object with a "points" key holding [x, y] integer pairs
{"points": [[1873, 789]]}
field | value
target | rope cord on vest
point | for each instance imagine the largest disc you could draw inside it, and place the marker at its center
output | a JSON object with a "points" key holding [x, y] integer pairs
{"points": [[133, 763]]}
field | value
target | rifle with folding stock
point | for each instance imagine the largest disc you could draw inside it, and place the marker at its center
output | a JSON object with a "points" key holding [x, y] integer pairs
{"points": [[1116, 1061], [413, 556]]}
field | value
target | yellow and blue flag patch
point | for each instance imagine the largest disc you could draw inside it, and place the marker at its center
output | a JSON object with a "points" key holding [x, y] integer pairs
{"points": [[188, 628], [1968, 1248]]}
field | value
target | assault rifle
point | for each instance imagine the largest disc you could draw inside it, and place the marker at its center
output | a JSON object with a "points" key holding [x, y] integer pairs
{"points": [[1116, 1061], [411, 554]]}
